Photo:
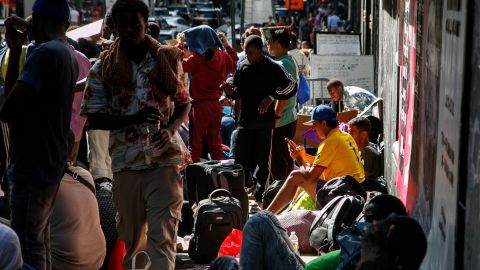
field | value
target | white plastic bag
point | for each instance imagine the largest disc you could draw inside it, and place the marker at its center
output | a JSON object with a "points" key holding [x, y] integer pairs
{"points": [[134, 261]]}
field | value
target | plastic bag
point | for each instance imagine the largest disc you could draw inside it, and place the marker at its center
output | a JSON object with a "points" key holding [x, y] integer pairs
{"points": [[303, 94], [232, 244], [116, 259]]}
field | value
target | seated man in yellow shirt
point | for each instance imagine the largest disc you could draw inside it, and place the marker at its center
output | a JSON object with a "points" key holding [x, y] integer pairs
{"points": [[337, 156]]}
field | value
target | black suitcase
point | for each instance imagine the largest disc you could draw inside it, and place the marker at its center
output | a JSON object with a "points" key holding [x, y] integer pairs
{"points": [[205, 177], [215, 218]]}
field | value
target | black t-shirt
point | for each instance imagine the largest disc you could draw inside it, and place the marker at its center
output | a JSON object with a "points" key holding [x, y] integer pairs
{"points": [[38, 135], [372, 161], [253, 83]]}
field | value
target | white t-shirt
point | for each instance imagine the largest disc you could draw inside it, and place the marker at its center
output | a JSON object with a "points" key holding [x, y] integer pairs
{"points": [[74, 16], [301, 61]]}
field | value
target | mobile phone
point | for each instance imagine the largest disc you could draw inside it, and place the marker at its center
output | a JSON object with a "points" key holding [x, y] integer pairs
{"points": [[287, 140]]}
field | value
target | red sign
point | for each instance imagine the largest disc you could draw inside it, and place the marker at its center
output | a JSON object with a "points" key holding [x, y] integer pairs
{"points": [[294, 4]]}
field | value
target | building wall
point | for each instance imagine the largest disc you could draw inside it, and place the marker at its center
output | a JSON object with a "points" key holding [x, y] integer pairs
{"points": [[472, 216], [425, 86], [387, 67]]}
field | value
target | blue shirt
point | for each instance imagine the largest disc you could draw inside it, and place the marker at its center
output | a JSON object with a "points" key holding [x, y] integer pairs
{"points": [[332, 23], [38, 135]]}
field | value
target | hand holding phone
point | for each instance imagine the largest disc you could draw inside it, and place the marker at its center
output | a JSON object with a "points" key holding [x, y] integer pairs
{"points": [[296, 152]]}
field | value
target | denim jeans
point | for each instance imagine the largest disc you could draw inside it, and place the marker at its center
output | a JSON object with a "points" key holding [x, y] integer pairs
{"points": [[226, 130], [265, 245], [31, 205]]}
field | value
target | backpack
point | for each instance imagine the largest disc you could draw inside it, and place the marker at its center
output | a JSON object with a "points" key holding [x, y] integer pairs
{"points": [[271, 192], [205, 177], [343, 185], [375, 184], [107, 212], [214, 219], [337, 215]]}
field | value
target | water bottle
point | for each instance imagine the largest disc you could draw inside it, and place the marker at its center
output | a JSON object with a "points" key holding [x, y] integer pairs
{"points": [[149, 150], [294, 240]]}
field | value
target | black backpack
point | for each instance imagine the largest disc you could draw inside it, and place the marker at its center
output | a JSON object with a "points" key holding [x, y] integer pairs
{"points": [[337, 215], [343, 185], [107, 212], [375, 184], [215, 218], [205, 177], [271, 192]]}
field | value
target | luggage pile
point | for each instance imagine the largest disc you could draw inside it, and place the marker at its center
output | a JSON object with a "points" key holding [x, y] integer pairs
{"points": [[341, 202], [218, 203], [216, 193]]}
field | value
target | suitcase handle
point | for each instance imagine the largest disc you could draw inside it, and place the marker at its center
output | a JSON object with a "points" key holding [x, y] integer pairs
{"points": [[218, 192]]}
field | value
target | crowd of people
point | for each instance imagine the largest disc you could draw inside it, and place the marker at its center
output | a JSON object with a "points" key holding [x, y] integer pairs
{"points": [[145, 111]]}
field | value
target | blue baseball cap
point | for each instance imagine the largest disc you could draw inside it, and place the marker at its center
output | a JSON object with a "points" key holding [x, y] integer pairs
{"points": [[52, 8], [322, 112]]}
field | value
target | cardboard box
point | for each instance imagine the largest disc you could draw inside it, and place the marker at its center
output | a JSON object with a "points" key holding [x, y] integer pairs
{"points": [[301, 129]]}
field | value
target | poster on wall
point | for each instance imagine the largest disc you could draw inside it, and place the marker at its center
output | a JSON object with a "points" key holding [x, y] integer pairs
{"points": [[352, 70], [337, 44], [258, 11], [441, 239], [406, 100], [426, 113]]}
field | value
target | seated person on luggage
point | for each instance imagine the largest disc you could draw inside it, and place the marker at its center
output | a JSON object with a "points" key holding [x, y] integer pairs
{"points": [[75, 222], [347, 98], [359, 129], [336, 156]]}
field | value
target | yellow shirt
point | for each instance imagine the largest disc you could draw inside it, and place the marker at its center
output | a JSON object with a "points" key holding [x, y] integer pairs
{"points": [[5, 61], [339, 155]]}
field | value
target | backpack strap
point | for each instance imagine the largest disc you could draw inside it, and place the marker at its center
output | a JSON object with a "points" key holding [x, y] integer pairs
{"points": [[80, 179]]}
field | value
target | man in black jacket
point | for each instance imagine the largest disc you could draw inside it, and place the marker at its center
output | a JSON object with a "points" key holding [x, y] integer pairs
{"points": [[256, 84]]}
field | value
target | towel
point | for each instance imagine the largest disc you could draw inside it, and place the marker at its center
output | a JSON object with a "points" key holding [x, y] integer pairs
{"points": [[164, 79], [200, 38]]}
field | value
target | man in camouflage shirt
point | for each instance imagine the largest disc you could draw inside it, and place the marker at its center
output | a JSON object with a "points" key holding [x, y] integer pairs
{"points": [[347, 98]]}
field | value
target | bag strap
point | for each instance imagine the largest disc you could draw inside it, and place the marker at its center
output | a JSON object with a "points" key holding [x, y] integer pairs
{"points": [[324, 213], [219, 192], [80, 179], [336, 211]]}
